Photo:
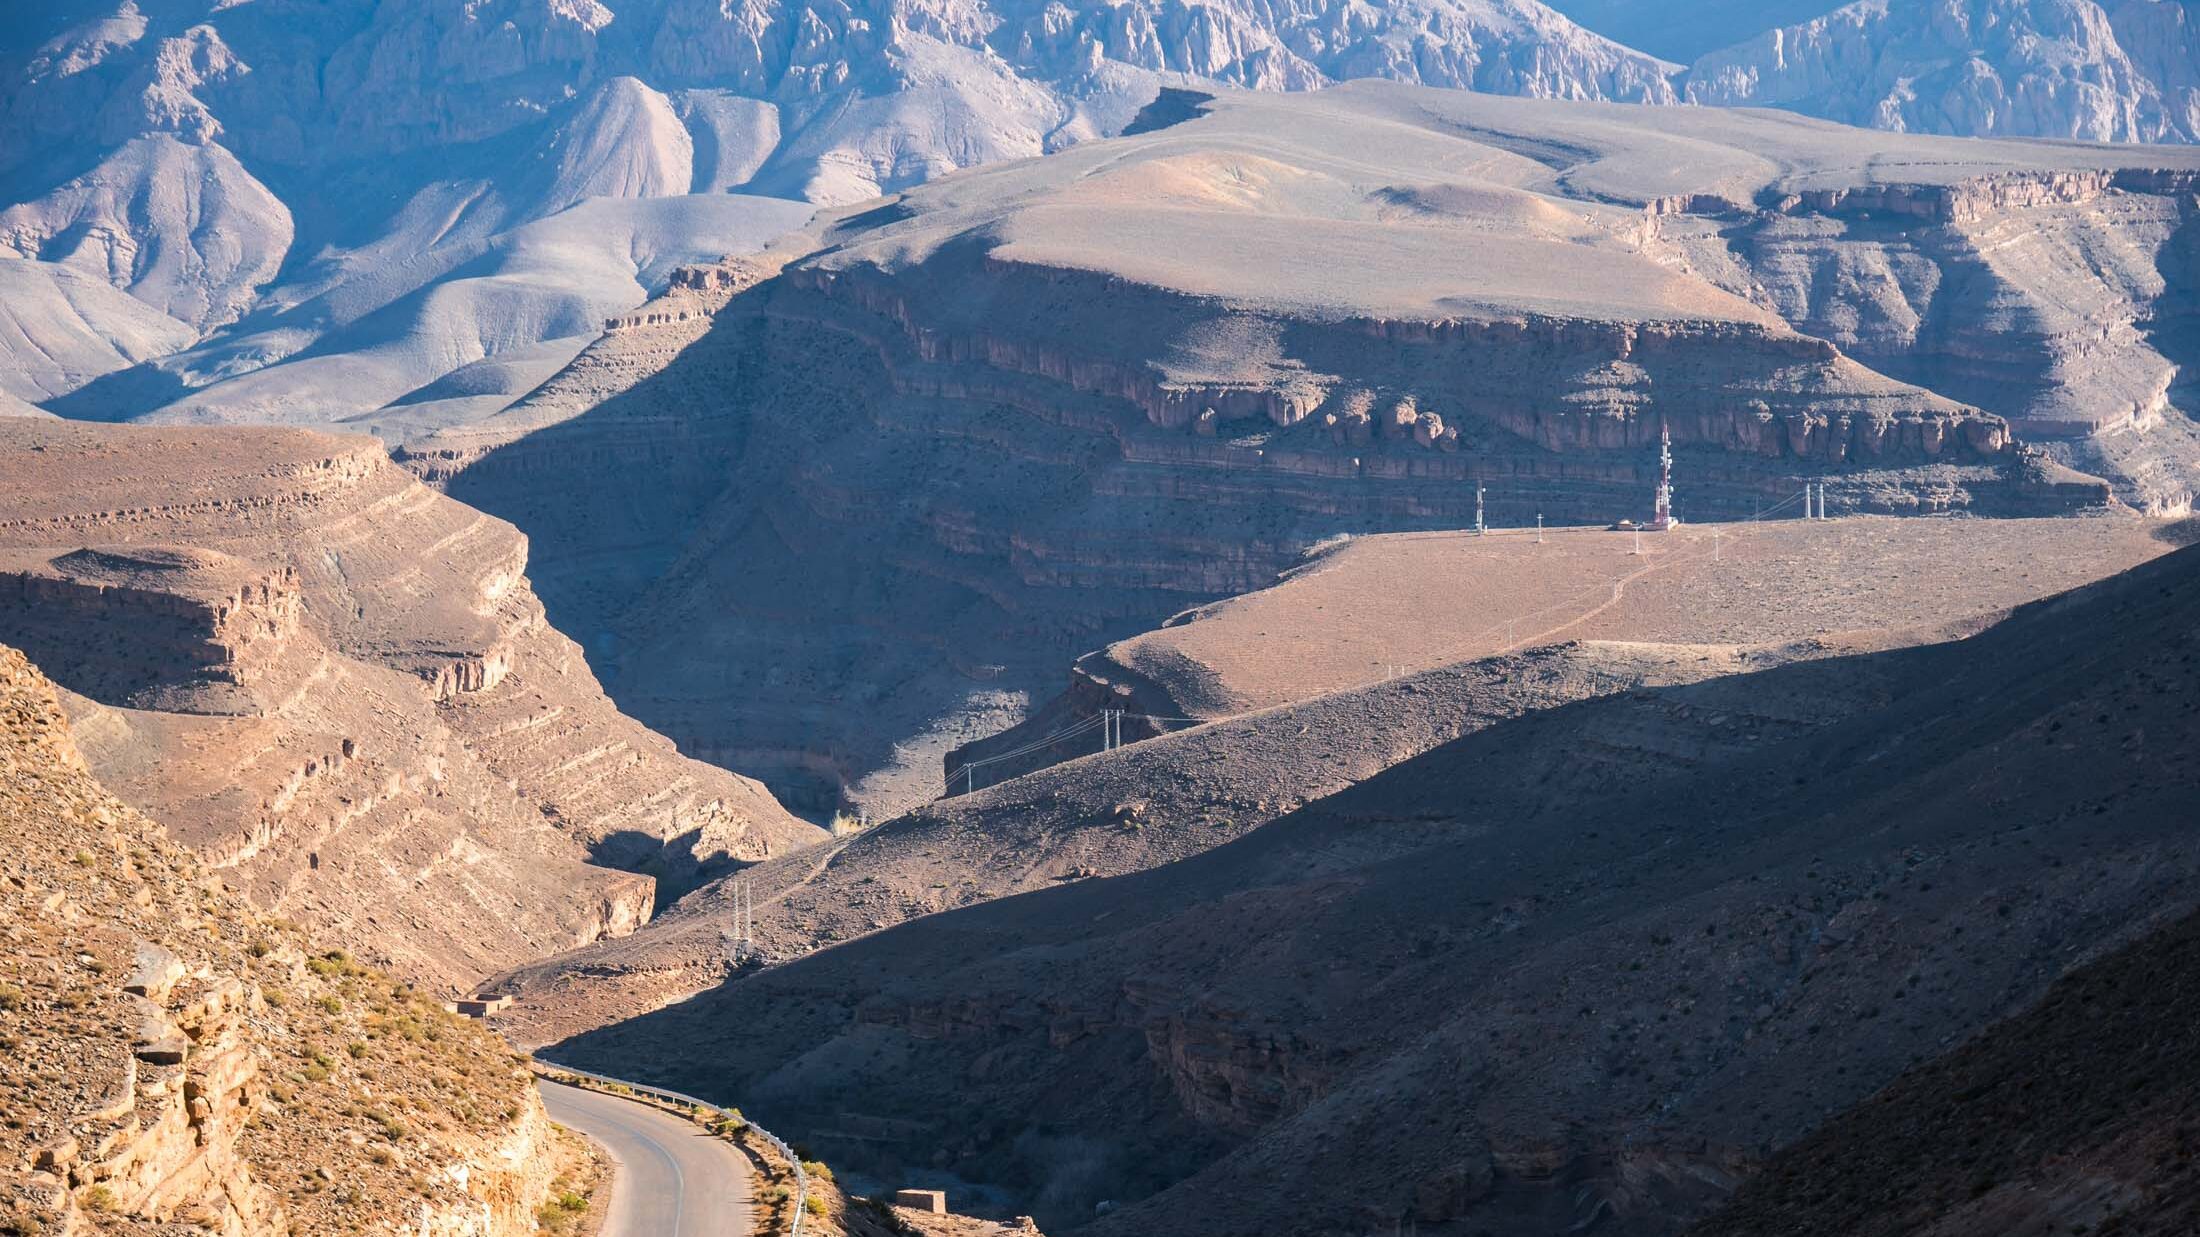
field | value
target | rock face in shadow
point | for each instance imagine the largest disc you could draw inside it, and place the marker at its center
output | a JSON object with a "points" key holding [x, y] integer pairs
{"points": [[178, 1061], [919, 461], [2074, 1113], [1592, 965], [1375, 651], [337, 688]]}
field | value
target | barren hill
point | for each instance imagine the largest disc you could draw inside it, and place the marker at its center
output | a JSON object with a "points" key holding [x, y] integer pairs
{"points": [[919, 460], [2075, 1114], [338, 689], [1371, 608], [1534, 978], [1373, 653], [178, 1062]]}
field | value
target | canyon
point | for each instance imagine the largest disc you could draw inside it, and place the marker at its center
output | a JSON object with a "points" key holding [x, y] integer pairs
{"points": [[829, 512], [336, 687], [1064, 603]]}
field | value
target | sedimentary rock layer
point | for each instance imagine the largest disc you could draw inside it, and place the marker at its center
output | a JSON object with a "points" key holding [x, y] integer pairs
{"points": [[337, 687], [179, 1061], [918, 461]]}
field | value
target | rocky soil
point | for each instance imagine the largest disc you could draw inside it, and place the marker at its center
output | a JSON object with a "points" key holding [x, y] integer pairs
{"points": [[338, 689], [2074, 1115], [956, 440], [1591, 965], [177, 1061], [1375, 652]]}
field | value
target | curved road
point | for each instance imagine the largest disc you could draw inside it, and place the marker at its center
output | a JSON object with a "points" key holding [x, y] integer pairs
{"points": [[670, 1179]]}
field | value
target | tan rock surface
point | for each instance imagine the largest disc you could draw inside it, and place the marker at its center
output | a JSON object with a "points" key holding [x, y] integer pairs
{"points": [[338, 688], [177, 1061]]}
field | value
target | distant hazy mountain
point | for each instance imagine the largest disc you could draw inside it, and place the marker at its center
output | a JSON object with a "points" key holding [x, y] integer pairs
{"points": [[2114, 71], [332, 204]]}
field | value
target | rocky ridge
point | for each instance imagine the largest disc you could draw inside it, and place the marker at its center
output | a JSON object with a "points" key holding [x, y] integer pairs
{"points": [[337, 687], [1613, 977], [1375, 651], [2115, 71], [176, 1059]]}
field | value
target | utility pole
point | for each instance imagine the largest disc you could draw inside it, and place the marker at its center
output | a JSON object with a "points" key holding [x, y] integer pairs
{"points": [[1479, 529], [1539, 528], [1638, 538]]}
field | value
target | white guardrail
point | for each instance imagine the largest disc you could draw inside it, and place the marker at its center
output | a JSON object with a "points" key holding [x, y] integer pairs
{"points": [[801, 1178]]}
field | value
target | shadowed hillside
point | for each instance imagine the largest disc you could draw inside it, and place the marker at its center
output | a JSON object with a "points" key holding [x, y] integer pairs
{"points": [[2076, 1116], [1538, 977]]}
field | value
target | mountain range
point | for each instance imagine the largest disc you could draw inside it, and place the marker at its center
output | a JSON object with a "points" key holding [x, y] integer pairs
{"points": [[409, 213]]}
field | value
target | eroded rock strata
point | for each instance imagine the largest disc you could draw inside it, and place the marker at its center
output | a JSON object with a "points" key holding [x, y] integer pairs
{"points": [[337, 687], [826, 514], [1588, 966], [178, 1061]]}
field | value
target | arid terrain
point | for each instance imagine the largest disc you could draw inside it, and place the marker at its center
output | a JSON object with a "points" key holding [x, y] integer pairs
{"points": [[827, 514], [1160, 618], [1373, 653], [2075, 1113], [1548, 972], [336, 687], [178, 1060]]}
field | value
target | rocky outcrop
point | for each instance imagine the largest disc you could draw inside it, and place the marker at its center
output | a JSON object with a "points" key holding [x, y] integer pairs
{"points": [[1563, 385], [178, 1060], [205, 633], [339, 689]]}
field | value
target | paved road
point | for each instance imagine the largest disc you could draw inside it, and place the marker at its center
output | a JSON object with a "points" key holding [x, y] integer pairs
{"points": [[671, 1179]]}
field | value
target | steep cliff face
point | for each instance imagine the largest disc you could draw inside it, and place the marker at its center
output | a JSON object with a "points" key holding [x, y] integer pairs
{"points": [[983, 428], [2064, 302], [176, 1059], [338, 689]]}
